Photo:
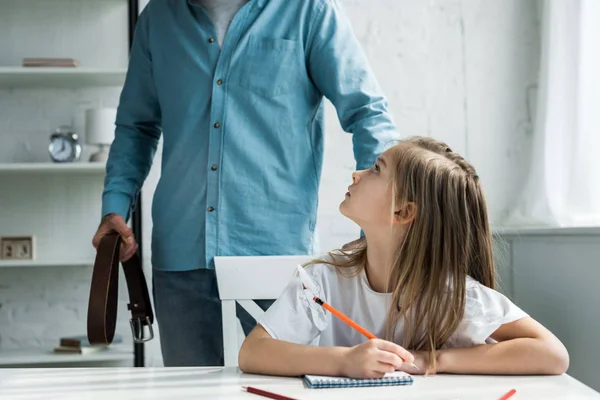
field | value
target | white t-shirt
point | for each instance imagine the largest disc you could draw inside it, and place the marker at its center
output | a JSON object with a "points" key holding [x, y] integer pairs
{"points": [[296, 318], [221, 12]]}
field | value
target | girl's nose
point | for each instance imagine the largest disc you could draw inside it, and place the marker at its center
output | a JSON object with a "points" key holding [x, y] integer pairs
{"points": [[355, 178]]}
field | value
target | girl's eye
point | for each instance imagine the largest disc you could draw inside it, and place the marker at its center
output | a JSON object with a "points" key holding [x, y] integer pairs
{"points": [[375, 168]]}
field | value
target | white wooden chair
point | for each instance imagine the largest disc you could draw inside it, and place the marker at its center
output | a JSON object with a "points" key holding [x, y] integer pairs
{"points": [[244, 279]]}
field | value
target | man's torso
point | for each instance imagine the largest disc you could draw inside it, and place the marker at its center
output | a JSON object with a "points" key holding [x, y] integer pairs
{"points": [[242, 132]]}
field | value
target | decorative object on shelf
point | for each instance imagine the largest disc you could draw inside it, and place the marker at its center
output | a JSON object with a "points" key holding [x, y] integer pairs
{"points": [[84, 348], [17, 248], [64, 145], [81, 350], [100, 131], [80, 344], [49, 62]]}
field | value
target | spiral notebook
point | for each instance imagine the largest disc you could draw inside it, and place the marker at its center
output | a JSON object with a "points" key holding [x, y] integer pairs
{"points": [[397, 378]]}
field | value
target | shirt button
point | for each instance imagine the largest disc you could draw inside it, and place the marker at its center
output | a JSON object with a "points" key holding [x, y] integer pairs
{"points": [[210, 209], [211, 40], [217, 125], [213, 167], [219, 82]]}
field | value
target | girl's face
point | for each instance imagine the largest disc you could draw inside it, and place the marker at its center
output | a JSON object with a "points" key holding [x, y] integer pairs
{"points": [[369, 199]]}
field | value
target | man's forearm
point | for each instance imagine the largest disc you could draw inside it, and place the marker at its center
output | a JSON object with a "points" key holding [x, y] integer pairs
{"points": [[137, 128], [340, 70], [127, 167]]}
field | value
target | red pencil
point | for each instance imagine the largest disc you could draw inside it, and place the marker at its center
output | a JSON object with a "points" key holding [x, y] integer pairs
{"points": [[264, 393], [508, 395]]}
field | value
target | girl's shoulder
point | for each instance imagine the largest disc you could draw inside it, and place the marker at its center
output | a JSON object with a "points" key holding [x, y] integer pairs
{"points": [[327, 269], [323, 266], [320, 268], [486, 304], [485, 311]]}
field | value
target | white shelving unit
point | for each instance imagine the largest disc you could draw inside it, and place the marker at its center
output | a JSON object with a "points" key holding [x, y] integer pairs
{"points": [[58, 204], [63, 77]]}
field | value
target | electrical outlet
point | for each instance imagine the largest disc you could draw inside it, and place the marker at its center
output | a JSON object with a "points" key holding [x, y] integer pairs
{"points": [[16, 248]]}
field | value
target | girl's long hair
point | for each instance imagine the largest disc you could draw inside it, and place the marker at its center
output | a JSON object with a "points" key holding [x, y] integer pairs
{"points": [[448, 239]]}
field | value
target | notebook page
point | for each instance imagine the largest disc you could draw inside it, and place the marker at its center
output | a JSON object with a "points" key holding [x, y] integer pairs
{"points": [[340, 379]]}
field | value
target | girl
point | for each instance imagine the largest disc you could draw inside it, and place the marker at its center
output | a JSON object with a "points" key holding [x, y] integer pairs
{"points": [[422, 277]]}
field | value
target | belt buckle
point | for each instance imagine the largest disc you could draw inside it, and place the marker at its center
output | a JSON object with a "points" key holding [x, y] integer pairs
{"points": [[137, 330]]}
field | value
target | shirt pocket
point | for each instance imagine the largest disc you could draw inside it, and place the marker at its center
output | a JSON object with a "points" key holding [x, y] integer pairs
{"points": [[270, 67]]}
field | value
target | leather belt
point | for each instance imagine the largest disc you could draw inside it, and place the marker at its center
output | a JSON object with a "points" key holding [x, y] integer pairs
{"points": [[104, 293]]}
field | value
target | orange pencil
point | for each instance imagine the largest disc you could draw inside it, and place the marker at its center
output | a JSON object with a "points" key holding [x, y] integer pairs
{"points": [[347, 320], [344, 318]]}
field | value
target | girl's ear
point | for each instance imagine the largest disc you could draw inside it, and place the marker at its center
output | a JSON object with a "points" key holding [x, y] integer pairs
{"points": [[406, 214]]}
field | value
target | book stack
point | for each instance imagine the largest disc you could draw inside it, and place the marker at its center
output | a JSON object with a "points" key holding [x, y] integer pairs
{"points": [[49, 62], [79, 344]]}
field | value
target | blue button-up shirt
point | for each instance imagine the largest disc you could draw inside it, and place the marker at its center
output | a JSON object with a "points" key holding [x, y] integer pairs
{"points": [[242, 125]]}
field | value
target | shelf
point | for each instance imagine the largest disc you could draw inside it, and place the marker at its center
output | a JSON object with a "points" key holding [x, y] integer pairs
{"points": [[45, 263], [44, 356], [65, 77], [70, 168]]}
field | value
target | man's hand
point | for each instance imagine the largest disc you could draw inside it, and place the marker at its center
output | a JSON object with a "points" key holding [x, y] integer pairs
{"points": [[115, 223]]}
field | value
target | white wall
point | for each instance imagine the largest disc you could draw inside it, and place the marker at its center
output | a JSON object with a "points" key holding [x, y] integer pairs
{"points": [[458, 71], [455, 70]]}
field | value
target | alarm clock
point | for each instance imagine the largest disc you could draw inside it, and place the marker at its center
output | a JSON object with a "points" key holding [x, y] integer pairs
{"points": [[64, 145]]}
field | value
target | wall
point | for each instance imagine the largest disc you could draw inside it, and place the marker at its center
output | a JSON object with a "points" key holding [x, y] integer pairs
{"points": [[458, 71], [553, 275], [455, 70]]}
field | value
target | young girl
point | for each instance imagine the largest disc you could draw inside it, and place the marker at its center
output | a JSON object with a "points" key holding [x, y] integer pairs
{"points": [[421, 279]]}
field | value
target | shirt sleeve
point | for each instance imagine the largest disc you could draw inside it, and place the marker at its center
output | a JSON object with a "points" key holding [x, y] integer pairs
{"points": [[294, 317], [486, 310], [340, 70], [137, 129]]}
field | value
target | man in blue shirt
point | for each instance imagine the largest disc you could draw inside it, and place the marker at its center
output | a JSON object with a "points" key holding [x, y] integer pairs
{"points": [[236, 88]]}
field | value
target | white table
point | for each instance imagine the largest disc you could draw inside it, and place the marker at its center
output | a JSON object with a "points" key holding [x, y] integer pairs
{"points": [[226, 383]]}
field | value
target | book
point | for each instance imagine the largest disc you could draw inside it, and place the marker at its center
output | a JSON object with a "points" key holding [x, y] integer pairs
{"points": [[79, 341], [396, 378], [79, 350], [49, 62]]}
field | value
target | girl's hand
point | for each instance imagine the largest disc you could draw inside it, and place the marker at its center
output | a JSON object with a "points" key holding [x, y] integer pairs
{"points": [[374, 358], [421, 361]]}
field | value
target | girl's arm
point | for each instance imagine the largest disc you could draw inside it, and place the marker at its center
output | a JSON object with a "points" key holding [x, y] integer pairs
{"points": [[524, 347], [261, 354]]}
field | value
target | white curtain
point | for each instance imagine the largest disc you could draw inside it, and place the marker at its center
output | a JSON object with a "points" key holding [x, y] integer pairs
{"points": [[563, 186]]}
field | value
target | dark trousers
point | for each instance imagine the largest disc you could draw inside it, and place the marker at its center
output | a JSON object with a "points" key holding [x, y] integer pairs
{"points": [[188, 311]]}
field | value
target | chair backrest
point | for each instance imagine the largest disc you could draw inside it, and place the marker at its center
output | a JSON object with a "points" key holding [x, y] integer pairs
{"points": [[244, 279]]}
